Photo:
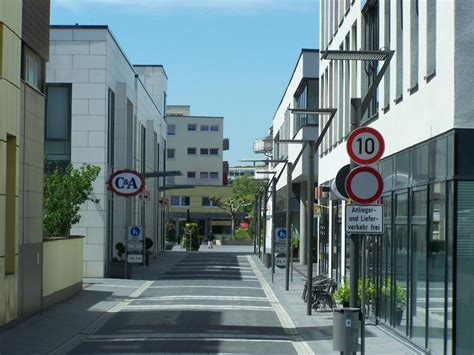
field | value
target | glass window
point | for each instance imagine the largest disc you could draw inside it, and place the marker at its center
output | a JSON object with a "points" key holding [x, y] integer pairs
{"points": [[414, 53], [400, 282], [213, 151], [170, 153], [419, 164], [213, 175], [436, 268], [174, 200], [171, 130], [192, 127], [386, 170], [464, 263], [191, 151], [430, 38], [191, 174], [207, 202], [204, 151], [438, 158], [204, 175], [58, 112], [204, 127], [402, 170], [33, 68], [214, 128], [111, 128], [185, 201]]}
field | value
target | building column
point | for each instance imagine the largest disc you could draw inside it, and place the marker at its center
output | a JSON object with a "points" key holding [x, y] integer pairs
{"points": [[303, 198]]}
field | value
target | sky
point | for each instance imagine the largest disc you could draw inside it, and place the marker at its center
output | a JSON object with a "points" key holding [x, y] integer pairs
{"points": [[230, 58]]}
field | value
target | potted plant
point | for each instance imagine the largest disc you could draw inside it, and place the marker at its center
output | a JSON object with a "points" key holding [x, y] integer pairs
{"points": [[342, 294], [400, 298], [117, 265]]}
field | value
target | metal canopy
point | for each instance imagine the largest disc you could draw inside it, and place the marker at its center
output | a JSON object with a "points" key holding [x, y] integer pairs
{"points": [[356, 55]]}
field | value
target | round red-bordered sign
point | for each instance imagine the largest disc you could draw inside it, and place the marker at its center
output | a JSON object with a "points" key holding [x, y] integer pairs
{"points": [[365, 145], [126, 182], [364, 184]]}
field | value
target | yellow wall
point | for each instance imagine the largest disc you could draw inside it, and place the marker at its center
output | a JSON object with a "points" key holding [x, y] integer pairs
{"points": [[10, 64], [196, 195], [62, 264]]}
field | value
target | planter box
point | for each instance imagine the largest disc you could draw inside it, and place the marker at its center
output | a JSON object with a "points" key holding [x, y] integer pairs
{"points": [[117, 270]]}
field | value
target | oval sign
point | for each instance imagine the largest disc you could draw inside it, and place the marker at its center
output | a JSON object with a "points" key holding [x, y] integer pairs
{"points": [[365, 145], [364, 185], [126, 182]]}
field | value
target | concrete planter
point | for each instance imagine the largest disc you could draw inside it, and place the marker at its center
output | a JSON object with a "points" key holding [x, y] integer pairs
{"points": [[237, 242], [117, 270]]}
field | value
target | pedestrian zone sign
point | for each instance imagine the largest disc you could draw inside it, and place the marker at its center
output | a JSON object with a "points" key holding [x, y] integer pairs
{"points": [[281, 233], [364, 219], [135, 232]]}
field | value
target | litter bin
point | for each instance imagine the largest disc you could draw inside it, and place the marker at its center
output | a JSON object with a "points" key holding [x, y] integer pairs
{"points": [[268, 260], [346, 330]]}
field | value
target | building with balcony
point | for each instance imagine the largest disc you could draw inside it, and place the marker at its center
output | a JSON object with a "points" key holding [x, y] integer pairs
{"points": [[195, 146], [302, 92], [421, 265], [105, 111]]}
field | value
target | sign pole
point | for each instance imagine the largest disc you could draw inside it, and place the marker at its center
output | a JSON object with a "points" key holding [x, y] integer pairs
{"points": [[309, 230], [274, 182], [289, 255]]}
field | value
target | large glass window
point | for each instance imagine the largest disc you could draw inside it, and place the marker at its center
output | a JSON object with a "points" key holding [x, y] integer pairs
{"points": [[58, 125], [464, 263], [400, 284], [418, 266], [386, 262]]}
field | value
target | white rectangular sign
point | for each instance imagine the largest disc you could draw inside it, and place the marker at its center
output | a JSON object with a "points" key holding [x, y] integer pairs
{"points": [[135, 258], [365, 219]]}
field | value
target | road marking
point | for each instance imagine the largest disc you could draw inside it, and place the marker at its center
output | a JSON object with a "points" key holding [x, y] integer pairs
{"points": [[111, 286], [100, 321], [186, 337], [220, 287], [199, 307], [300, 345], [204, 297]]}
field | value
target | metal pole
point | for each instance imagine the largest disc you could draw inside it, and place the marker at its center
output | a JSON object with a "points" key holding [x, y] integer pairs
{"points": [[354, 239], [309, 224], [255, 225], [362, 297], [264, 236], [260, 225], [143, 237], [289, 169], [274, 182]]}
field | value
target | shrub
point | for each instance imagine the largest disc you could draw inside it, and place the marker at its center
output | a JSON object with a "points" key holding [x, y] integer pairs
{"points": [[191, 239], [243, 234]]}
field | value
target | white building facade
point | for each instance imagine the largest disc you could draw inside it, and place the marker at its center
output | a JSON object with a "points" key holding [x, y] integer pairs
{"points": [[103, 111], [423, 109]]}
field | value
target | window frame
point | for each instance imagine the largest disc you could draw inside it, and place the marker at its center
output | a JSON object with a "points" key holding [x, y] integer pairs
{"points": [[69, 128], [190, 125], [168, 150], [195, 151], [168, 132], [211, 128]]}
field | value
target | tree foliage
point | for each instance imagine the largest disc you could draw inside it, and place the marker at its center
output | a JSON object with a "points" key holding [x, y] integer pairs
{"points": [[64, 193], [242, 200]]}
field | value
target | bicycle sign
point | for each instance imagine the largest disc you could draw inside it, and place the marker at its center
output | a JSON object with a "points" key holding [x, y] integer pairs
{"points": [[281, 233]]}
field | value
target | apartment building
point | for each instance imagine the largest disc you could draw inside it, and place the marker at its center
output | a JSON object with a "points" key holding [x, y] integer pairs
{"points": [[424, 110], [24, 50], [103, 110], [302, 92], [195, 146]]}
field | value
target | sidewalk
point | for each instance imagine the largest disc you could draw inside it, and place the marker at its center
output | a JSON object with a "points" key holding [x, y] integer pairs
{"points": [[317, 328]]}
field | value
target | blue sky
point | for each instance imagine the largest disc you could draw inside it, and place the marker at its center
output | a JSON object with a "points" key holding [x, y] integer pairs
{"points": [[230, 58]]}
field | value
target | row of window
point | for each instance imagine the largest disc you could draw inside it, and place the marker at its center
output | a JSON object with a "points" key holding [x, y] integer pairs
{"points": [[192, 127], [171, 153], [203, 175], [185, 201]]}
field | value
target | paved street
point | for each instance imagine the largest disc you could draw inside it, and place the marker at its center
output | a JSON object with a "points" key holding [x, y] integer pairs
{"points": [[212, 301]]}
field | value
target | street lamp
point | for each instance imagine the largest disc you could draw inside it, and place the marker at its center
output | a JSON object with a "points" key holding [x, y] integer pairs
{"points": [[313, 147], [358, 109]]}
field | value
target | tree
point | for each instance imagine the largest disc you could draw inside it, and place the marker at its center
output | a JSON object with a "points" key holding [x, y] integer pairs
{"points": [[242, 200], [64, 193]]}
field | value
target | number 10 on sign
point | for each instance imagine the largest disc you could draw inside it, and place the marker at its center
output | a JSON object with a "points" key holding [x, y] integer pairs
{"points": [[365, 145]]}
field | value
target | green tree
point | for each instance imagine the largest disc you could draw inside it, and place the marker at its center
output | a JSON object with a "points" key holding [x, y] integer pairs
{"points": [[242, 200], [64, 193]]}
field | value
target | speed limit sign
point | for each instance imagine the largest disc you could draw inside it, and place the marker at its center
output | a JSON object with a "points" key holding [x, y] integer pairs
{"points": [[365, 145]]}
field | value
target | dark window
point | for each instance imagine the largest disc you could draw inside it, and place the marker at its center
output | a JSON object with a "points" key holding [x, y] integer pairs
{"points": [[207, 202], [204, 175], [214, 175], [204, 151], [205, 127], [192, 127], [111, 128], [214, 128], [191, 151], [33, 68], [171, 153], [191, 174], [214, 151], [171, 130]]}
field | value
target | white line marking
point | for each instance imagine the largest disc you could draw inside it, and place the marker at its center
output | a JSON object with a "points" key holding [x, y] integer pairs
{"points": [[300, 345], [112, 286], [199, 307], [219, 287], [204, 297], [181, 337]]}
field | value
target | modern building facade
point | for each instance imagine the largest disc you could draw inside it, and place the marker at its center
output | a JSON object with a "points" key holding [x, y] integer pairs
{"points": [[24, 50], [103, 110], [423, 108], [195, 146], [302, 92]]}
